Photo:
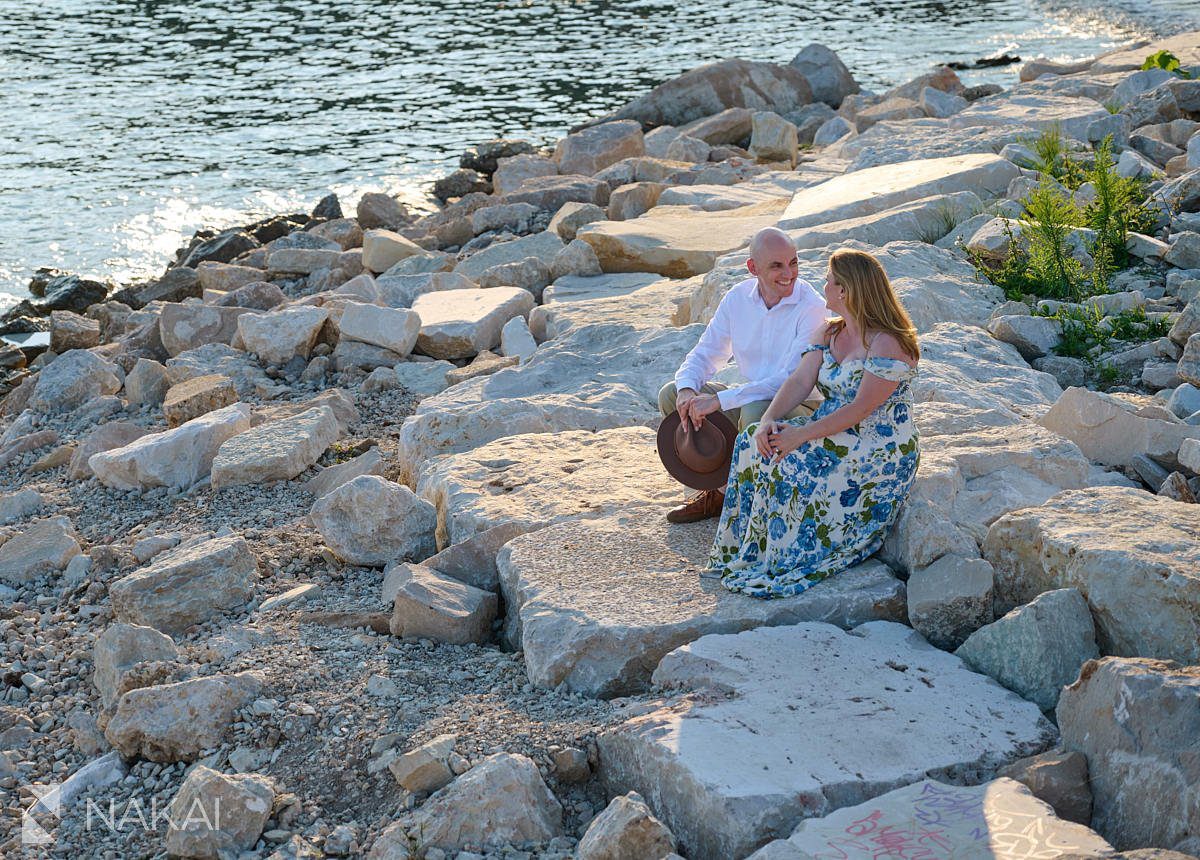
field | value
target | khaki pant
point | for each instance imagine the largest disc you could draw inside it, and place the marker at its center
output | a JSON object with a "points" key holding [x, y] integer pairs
{"points": [[743, 417]]}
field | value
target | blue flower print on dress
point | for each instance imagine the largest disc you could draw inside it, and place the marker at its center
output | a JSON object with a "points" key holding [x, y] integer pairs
{"points": [[827, 505]]}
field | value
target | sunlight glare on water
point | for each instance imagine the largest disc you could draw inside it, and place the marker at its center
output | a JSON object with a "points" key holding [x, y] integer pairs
{"points": [[125, 126]]}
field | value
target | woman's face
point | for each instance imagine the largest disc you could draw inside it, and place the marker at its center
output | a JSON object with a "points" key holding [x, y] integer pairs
{"points": [[835, 296]]}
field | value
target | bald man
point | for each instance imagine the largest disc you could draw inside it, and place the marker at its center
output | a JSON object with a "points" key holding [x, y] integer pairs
{"points": [[763, 323]]}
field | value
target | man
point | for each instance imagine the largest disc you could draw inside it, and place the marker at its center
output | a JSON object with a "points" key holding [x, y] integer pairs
{"points": [[763, 323]]}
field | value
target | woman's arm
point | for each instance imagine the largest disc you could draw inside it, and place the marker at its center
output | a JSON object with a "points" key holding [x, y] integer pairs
{"points": [[873, 392], [794, 391]]}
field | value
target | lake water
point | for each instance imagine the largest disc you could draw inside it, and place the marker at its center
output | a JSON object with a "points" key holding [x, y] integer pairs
{"points": [[125, 126]]}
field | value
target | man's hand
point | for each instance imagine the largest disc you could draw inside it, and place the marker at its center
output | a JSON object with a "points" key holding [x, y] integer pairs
{"points": [[762, 437], [682, 399], [701, 405]]}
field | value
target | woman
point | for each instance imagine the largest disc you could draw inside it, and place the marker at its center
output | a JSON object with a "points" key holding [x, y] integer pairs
{"points": [[809, 497]]}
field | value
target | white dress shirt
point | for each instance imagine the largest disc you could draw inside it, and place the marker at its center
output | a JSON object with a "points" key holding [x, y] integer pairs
{"points": [[767, 343]]}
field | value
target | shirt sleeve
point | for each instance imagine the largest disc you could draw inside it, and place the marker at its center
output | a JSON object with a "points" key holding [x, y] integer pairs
{"points": [[710, 353]]}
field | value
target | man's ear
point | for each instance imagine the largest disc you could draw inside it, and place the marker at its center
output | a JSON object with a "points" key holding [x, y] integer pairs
{"points": [[751, 267]]}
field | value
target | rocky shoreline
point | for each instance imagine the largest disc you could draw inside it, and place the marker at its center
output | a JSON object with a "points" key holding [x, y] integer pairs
{"points": [[345, 536]]}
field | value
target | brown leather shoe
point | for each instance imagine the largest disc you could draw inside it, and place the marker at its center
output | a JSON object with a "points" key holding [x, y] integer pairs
{"points": [[704, 506]]}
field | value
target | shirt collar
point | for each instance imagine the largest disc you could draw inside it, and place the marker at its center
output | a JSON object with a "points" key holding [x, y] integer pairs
{"points": [[797, 296]]}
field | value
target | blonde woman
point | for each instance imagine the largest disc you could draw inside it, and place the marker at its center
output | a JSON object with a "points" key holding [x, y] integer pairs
{"points": [[809, 497]]}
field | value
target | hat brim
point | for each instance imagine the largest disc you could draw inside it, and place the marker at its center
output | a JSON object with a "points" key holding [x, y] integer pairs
{"points": [[678, 470]]}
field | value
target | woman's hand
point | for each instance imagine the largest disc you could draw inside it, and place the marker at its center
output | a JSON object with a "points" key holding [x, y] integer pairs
{"points": [[784, 440], [765, 429]]}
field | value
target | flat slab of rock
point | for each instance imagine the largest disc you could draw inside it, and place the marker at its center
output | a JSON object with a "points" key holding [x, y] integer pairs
{"points": [[965, 365], [183, 327], [676, 241], [544, 245], [573, 288], [538, 478], [176, 722], [391, 328], [275, 451], [71, 380], [219, 358], [462, 323], [1138, 722], [174, 458], [928, 218], [368, 463], [429, 605], [663, 303], [193, 582], [1071, 116], [1109, 430], [796, 722], [892, 142], [593, 378], [999, 820], [596, 604], [279, 336], [865, 192], [44, 547], [1135, 558], [196, 396]]}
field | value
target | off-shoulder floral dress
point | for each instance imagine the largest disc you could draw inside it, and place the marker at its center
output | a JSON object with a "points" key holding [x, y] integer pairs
{"points": [[827, 505]]}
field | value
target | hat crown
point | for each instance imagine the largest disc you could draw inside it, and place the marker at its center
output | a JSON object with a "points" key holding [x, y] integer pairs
{"points": [[701, 450]]}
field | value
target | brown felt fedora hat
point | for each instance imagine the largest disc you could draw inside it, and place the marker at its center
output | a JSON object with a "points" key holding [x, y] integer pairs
{"points": [[697, 458]]}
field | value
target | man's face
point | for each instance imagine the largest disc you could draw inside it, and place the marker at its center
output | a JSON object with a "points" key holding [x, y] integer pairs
{"points": [[776, 268]]}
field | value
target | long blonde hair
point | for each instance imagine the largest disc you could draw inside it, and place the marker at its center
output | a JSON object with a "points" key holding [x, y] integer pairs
{"points": [[870, 300]]}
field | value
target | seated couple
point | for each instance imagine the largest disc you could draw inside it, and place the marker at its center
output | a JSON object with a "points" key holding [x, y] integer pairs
{"points": [[812, 487]]}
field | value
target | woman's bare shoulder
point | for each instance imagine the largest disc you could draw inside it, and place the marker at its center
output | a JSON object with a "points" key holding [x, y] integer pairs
{"points": [[887, 345]]}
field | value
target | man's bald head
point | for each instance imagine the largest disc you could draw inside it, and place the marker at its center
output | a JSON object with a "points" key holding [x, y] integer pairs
{"points": [[773, 262], [769, 240]]}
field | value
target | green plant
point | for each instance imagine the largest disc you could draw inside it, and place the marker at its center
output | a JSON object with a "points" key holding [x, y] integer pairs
{"points": [[1011, 274], [1053, 158], [1165, 60], [1082, 331], [1050, 216], [1109, 373], [1112, 106], [1117, 210], [1134, 325]]}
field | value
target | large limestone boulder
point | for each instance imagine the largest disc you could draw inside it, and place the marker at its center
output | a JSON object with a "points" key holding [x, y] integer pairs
{"points": [[971, 473], [218, 812], [1132, 555], [574, 288], [965, 365], [195, 397], [1138, 723], [594, 378], [1071, 116], [395, 329], [193, 582], [113, 434], [400, 291], [371, 521], [924, 220], [538, 478], [501, 800], [44, 547], [71, 380], [626, 830], [275, 451], [866, 192], [279, 336], [1037, 649], [176, 722], [891, 709], [712, 88], [553, 192], [513, 171], [544, 245], [950, 599], [897, 141], [676, 241], [462, 323], [1183, 46], [1000, 819], [663, 303], [594, 604], [174, 458], [592, 149], [382, 249], [429, 605], [828, 76], [187, 326], [1109, 430], [121, 647]]}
